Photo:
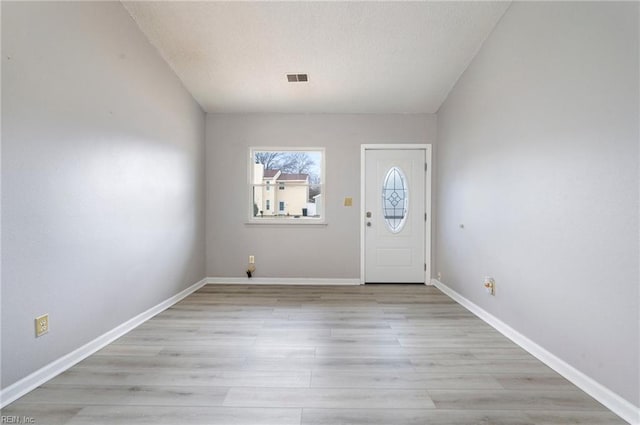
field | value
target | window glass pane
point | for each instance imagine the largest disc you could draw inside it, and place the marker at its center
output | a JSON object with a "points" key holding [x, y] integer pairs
{"points": [[395, 199], [297, 177]]}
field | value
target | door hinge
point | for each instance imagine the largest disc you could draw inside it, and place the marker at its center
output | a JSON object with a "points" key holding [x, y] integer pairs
{"points": [[425, 166], [425, 267], [425, 216]]}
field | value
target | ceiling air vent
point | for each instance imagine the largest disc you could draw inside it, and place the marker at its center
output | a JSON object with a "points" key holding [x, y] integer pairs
{"points": [[297, 78]]}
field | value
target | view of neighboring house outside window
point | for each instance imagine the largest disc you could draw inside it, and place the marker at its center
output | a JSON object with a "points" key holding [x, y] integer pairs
{"points": [[292, 196]]}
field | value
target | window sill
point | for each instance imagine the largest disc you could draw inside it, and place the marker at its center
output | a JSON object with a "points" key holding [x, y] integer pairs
{"points": [[287, 222]]}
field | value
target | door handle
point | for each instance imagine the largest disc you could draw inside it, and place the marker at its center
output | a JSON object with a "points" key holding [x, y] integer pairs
{"points": [[368, 214]]}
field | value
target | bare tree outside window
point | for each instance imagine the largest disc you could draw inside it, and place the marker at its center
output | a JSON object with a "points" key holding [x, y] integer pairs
{"points": [[268, 159], [290, 162]]}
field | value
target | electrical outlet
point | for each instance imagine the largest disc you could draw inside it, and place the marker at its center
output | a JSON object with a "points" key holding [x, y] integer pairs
{"points": [[42, 325], [252, 259]]}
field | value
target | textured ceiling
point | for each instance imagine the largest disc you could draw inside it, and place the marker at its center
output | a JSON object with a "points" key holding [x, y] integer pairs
{"points": [[361, 57]]}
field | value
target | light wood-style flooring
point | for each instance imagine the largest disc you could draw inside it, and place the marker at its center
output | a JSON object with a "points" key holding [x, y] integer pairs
{"points": [[312, 355]]}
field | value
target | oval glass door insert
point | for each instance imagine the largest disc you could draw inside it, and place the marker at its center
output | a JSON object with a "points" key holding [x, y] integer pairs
{"points": [[395, 199]]}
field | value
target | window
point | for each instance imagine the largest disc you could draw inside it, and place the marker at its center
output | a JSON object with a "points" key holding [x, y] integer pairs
{"points": [[299, 176]]}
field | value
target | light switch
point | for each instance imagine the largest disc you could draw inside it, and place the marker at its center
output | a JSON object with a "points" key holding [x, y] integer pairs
{"points": [[348, 201]]}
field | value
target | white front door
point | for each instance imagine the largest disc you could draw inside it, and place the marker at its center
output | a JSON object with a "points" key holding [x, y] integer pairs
{"points": [[395, 219]]}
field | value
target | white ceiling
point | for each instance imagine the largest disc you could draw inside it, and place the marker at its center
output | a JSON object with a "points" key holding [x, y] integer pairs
{"points": [[361, 57]]}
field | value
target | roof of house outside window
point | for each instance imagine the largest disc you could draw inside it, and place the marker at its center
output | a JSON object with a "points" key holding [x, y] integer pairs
{"points": [[299, 177], [270, 173]]}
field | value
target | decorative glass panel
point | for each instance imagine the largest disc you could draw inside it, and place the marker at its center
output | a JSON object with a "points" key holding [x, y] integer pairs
{"points": [[395, 199]]}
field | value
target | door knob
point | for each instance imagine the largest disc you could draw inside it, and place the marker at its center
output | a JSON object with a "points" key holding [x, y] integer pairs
{"points": [[368, 214], [368, 224]]}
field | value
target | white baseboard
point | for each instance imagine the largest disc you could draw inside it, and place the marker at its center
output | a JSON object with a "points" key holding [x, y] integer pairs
{"points": [[611, 400], [53, 369], [279, 281]]}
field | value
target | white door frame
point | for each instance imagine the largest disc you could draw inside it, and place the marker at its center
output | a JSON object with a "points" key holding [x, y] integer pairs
{"points": [[427, 200]]}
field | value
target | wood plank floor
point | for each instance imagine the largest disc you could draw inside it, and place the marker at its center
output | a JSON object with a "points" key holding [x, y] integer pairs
{"points": [[303, 355]]}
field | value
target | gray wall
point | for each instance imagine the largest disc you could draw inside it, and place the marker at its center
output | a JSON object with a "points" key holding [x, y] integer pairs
{"points": [[102, 178], [331, 251], [538, 158]]}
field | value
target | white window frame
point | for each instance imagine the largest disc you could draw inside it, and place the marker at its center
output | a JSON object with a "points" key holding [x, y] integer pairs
{"points": [[280, 220]]}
